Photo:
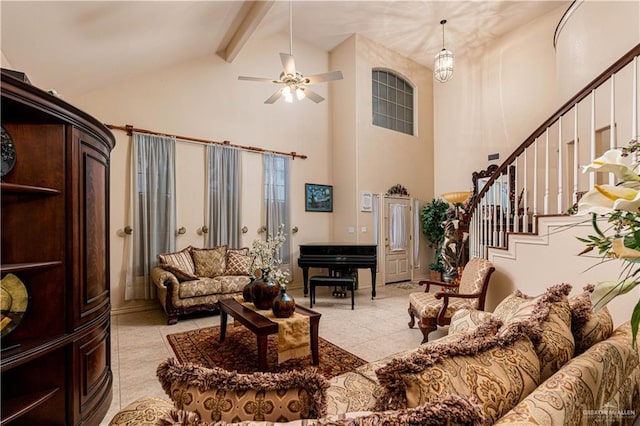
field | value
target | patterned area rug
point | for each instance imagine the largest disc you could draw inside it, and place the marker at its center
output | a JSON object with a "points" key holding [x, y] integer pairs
{"points": [[412, 285], [239, 352]]}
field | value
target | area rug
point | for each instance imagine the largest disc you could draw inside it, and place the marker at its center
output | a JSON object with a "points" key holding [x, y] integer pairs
{"points": [[239, 352], [412, 285]]}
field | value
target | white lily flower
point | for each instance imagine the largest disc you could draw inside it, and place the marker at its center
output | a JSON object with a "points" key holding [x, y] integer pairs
{"points": [[605, 291], [614, 162], [595, 202], [607, 200], [604, 199]]}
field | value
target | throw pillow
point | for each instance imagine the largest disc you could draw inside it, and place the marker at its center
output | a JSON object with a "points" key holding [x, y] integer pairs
{"points": [[550, 315], [466, 320], [238, 262], [209, 262], [588, 327], [446, 410], [147, 411], [220, 395], [499, 370], [179, 264]]}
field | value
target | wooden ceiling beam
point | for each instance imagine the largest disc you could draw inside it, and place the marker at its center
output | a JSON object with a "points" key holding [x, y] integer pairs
{"points": [[243, 27]]}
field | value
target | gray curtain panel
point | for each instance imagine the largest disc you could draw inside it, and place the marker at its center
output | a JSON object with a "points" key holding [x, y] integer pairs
{"points": [[153, 210], [223, 171], [276, 197]]}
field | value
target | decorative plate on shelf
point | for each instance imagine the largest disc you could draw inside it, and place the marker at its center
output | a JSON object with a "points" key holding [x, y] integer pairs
{"points": [[13, 303], [8, 152]]}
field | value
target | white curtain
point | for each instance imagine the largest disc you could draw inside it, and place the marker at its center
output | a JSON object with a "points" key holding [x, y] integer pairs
{"points": [[223, 169], [276, 197], [152, 210], [416, 233], [398, 227], [376, 227], [375, 208]]}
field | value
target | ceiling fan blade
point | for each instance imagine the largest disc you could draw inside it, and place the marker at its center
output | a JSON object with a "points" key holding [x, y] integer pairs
{"points": [[261, 79], [312, 95], [274, 97], [288, 63], [321, 78]]}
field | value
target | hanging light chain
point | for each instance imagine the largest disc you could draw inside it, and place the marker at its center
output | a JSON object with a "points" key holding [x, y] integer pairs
{"points": [[291, 28], [444, 21]]}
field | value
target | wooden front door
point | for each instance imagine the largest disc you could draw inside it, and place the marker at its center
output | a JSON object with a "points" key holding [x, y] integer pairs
{"points": [[397, 239]]}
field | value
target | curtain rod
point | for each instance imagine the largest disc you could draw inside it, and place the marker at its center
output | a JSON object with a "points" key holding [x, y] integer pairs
{"points": [[130, 129]]}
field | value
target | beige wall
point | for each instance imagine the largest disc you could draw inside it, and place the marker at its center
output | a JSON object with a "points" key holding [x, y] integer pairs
{"points": [[344, 163], [533, 263], [371, 158], [5, 62], [597, 34], [204, 99], [501, 93]]}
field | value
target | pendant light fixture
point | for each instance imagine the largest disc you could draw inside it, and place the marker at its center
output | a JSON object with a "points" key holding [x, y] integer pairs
{"points": [[443, 65]]}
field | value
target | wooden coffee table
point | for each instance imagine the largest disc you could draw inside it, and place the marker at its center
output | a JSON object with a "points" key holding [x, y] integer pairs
{"points": [[263, 327]]}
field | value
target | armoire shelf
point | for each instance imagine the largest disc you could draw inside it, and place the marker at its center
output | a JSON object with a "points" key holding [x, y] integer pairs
{"points": [[15, 407], [27, 189], [18, 267], [31, 349], [55, 363]]}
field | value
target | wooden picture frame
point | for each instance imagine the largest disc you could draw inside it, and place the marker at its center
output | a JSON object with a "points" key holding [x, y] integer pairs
{"points": [[480, 178], [504, 189], [318, 198], [366, 201]]}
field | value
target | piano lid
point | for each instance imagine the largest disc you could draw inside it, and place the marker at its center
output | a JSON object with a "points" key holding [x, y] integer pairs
{"points": [[339, 244], [341, 249]]}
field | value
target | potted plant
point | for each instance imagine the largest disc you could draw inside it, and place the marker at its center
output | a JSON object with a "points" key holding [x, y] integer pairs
{"points": [[432, 216]]}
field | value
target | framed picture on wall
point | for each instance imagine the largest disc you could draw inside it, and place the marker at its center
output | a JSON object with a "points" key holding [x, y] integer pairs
{"points": [[318, 198], [366, 204]]}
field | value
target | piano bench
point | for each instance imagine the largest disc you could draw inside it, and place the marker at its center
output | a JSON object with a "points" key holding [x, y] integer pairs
{"points": [[326, 281]]}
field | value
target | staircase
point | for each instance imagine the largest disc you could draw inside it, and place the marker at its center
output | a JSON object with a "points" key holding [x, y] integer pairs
{"points": [[543, 176]]}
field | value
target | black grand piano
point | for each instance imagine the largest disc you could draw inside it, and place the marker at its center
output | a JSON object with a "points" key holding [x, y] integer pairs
{"points": [[338, 257]]}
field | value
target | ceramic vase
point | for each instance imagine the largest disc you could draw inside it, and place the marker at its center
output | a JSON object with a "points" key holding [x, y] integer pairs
{"points": [[283, 305], [247, 291], [263, 293]]}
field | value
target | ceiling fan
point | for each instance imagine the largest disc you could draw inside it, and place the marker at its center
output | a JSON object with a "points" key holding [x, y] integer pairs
{"points": [[293, 81]]}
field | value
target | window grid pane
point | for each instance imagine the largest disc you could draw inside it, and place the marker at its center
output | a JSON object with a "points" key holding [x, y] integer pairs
{"points": [[392, 102]]}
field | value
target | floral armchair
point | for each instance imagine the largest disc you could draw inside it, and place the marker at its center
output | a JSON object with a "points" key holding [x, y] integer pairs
{"points": [[434, 309]]}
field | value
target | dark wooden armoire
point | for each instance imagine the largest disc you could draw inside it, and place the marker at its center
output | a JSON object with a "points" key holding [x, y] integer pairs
{"points": [[56, 363]]}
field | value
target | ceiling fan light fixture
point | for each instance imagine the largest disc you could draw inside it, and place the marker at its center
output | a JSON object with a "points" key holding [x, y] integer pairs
{"points": [[288, 96], [293, 80], [443, 64]]}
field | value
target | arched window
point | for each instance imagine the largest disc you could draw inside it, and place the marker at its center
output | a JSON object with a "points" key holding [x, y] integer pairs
{"points": [[392, 101]]}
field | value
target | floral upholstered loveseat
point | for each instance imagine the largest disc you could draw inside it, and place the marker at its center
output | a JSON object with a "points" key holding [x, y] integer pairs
{"points": [[194, 279], [546, 360]]}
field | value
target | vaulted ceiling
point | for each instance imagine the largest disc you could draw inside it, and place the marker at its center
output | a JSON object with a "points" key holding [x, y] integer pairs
{"points": [[78, 46]]}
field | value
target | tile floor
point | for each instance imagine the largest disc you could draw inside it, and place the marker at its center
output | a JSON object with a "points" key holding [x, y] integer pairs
{"points": [[375, 329]]}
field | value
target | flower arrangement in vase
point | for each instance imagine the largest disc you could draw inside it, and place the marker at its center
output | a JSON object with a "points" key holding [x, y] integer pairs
{"points": [[267, 268], [620, 204]]}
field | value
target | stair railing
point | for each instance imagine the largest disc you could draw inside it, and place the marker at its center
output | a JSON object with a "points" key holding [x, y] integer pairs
{"points": [[542, 176]]}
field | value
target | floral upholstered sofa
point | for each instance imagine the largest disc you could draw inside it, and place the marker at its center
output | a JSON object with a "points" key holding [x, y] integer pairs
{"points": [[546, 360], [194, 279]]}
